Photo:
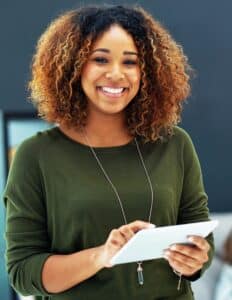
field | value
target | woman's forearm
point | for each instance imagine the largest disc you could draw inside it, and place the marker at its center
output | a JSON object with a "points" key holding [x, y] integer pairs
{"points": [[61, 272]]}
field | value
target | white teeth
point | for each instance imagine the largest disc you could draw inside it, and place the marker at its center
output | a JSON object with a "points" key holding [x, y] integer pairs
{"points": [[111, 90]]}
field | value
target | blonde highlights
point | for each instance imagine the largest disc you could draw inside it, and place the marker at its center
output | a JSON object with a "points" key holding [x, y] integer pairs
{"points": [[63, 49]]}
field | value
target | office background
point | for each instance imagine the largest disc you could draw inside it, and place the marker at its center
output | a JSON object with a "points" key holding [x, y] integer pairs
{"points": [[203, 28]]}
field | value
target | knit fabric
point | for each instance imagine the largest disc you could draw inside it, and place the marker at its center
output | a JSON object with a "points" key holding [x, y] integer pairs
{"points": [[59, 202]]}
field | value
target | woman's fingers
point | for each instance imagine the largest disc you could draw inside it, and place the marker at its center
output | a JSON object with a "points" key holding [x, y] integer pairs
{"points": [[119, 237], [138, 225], [191, 251], [184, 261], [181, 263], [200, 242], [126, 232], [188, 259], [184, 269]]}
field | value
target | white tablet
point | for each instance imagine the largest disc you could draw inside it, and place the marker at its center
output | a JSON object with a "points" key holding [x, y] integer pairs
{"points": [[149, 244]]}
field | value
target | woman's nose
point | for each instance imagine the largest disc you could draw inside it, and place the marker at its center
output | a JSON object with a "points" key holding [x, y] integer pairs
{"points": [[115, 74]]}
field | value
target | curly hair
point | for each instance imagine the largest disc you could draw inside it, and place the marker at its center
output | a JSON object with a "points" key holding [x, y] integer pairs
{"points": [[63, 49]]}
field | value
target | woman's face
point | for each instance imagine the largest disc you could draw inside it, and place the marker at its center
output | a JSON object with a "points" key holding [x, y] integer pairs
{"points": [[111, 77]]}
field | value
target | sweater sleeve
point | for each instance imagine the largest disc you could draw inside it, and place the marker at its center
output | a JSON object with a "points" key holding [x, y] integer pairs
{"points": [[194, 200], [27, 241]]}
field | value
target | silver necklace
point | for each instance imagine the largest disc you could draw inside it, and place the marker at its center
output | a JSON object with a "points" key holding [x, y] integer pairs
{"points": [[139, 268]]}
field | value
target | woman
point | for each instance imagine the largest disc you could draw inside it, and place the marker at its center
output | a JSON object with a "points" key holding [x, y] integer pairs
{"points": [[114, 81]]}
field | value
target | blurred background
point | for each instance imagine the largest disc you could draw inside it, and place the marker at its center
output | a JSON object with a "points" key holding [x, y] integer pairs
{"points": [[203, 28]]}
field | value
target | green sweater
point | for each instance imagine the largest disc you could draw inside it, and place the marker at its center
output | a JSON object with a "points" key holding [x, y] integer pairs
{"points": [[59, 202]]}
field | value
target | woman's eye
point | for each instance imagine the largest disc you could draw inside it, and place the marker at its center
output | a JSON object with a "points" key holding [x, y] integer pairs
{"points": [[103, 60], [100, 60], [130, 62]]}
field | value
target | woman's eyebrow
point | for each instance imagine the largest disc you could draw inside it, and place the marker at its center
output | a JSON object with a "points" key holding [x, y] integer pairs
{"points": [[108, 51]]}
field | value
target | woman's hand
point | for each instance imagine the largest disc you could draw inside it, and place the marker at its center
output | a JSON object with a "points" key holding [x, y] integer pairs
{"points": [[117, 239], [188, 259]]}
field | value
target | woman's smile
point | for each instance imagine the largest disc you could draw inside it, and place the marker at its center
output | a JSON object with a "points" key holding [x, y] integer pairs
{"points": [[112, 92]]}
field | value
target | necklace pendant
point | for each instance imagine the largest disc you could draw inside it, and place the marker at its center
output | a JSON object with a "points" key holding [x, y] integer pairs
{"points": [[179, 283], [140, 274]]}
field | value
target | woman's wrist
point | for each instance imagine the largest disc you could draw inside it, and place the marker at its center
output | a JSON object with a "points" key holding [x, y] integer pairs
{"points": [[97, 257]]}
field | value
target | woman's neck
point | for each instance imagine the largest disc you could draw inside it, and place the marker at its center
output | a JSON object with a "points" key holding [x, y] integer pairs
{"points": [[104, 133]]}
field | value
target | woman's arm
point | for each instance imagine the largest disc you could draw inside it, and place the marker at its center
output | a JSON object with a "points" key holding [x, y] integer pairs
{"points": [[194, 207], [27, 240], [33, 269], [61, 272]]}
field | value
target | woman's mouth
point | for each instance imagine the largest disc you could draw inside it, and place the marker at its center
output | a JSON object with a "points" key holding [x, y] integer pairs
{"points": [[112, 92]]}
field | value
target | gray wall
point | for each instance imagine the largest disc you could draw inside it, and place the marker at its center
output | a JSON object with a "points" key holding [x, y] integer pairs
{"points": [[202, 27]]}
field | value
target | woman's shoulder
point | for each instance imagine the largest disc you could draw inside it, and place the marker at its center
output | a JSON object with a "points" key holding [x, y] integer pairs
{"points": [[179, 136], [32, 145], [179, 142], [45, 136], [180, 133]]}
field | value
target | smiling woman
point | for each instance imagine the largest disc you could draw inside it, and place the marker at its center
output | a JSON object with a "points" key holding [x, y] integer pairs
{"points": [[113, 81]]}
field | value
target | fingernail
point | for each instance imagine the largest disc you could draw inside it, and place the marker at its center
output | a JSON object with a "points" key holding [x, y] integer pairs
{"points": [[165, 255], [173, 247], [151, 226], [191, 239]]}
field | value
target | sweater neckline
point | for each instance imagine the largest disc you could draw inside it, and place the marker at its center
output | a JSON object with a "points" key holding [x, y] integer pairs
{"points": [[119, 148]]}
